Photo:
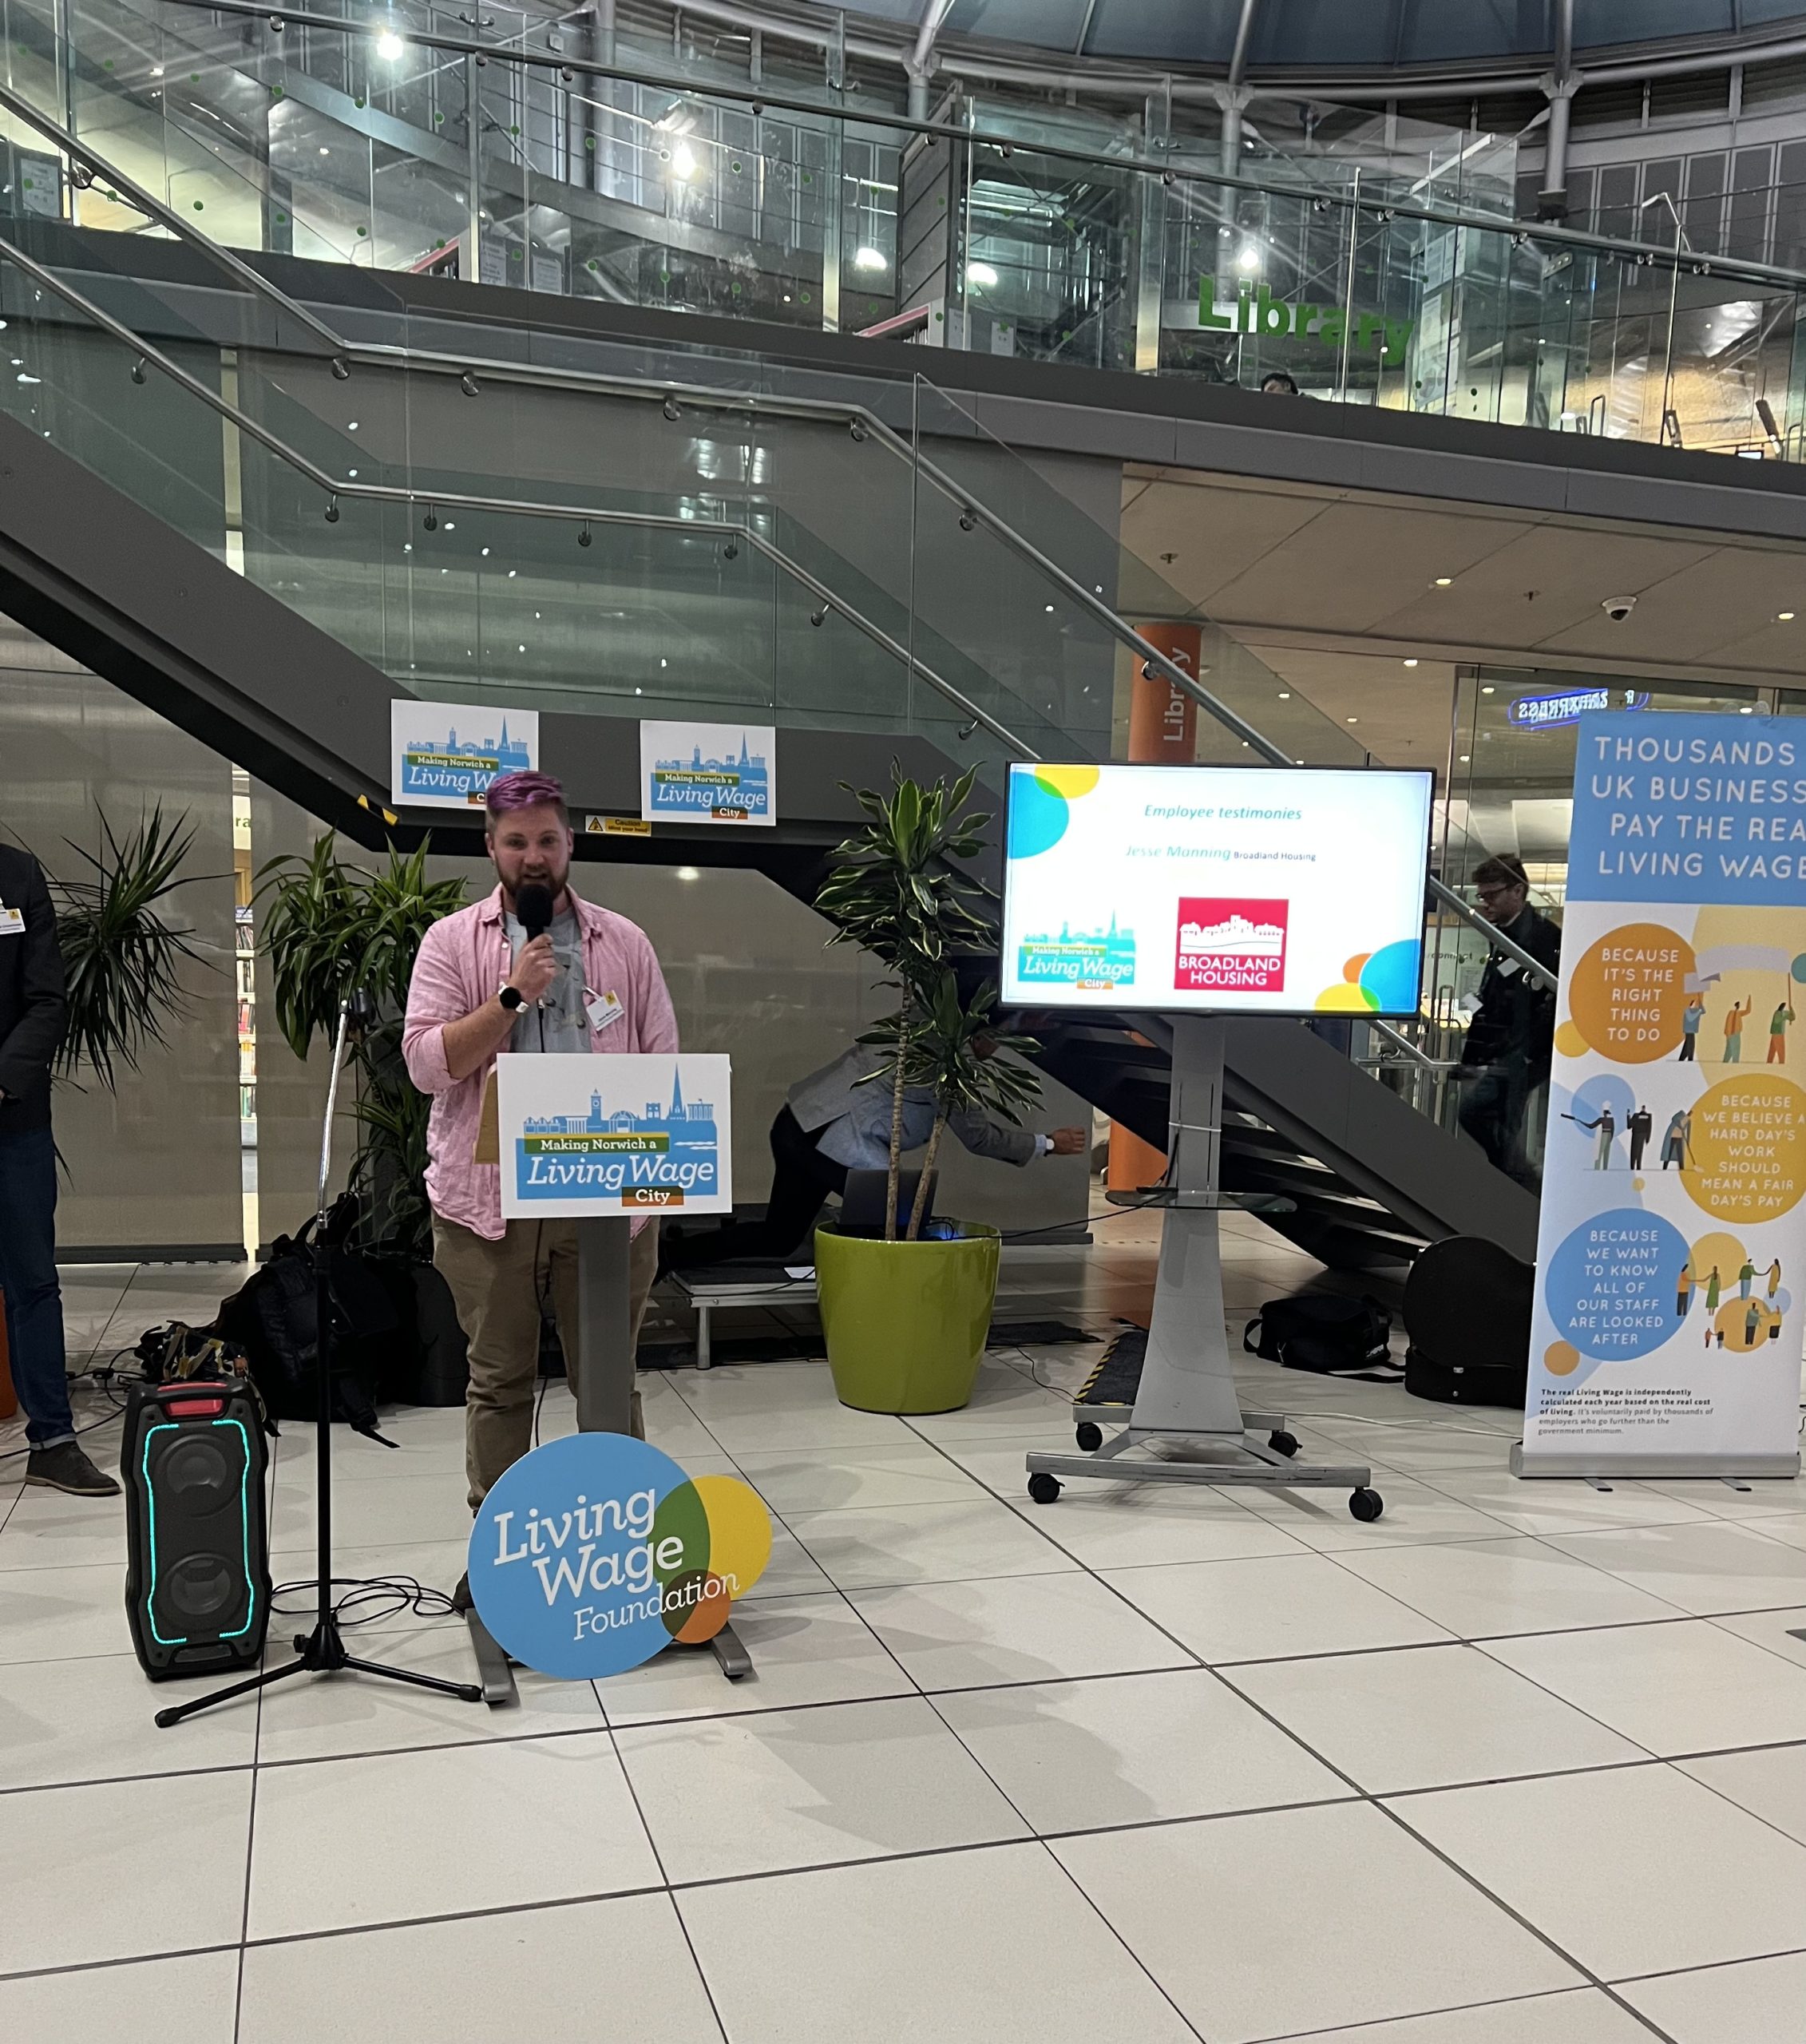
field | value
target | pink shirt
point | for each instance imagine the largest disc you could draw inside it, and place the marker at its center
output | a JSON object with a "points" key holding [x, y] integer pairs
{"points": [[464, 958]]}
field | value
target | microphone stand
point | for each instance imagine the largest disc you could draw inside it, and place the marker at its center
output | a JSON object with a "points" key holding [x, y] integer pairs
{"points": [[323, 1651]]}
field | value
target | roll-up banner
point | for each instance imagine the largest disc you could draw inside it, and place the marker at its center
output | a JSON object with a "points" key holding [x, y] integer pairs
{"points": [[1671, 1254]]}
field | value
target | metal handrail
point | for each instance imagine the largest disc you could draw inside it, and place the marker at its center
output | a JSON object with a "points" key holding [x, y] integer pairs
{"points": [[857, 417], [148, 354], [568, 65]]}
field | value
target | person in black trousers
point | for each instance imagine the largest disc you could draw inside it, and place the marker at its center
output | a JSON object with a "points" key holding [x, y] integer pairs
{"points": [[33, 1008]]}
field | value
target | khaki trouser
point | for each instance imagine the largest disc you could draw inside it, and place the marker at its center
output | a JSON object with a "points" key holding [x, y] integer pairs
{"points": [[496, 1288]]}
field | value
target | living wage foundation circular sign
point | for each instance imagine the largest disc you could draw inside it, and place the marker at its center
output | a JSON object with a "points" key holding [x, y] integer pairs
{"points": [[595, 1551]]}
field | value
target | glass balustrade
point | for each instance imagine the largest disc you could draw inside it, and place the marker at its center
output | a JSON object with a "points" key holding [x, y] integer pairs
{"points": [[1037, 233]]}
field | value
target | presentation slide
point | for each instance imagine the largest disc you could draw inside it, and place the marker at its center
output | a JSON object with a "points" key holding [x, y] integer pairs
{"points": [[1257, 890]]}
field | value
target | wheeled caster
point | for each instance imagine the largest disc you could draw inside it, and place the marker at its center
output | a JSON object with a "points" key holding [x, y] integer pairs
{"points": [[1089, 1435], [1281, 1443], [1044, 1488], [1366, 1505]]}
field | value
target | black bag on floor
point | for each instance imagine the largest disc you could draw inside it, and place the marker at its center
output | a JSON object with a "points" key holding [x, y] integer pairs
{"points": [[272, 1318], [1466, 1314], [1325, 1333]]}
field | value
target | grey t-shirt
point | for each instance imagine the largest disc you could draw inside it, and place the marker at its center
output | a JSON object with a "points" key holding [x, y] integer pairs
{"points": [[566, 1024]]}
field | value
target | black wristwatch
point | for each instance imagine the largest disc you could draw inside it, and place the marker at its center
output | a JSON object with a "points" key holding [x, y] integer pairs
{"points": [[511, 998]]}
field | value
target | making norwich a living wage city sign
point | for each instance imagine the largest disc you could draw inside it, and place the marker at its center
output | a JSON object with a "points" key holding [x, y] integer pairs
{"points": [[1666, 1335], [584, 1135], [708, 774], [1215, 889], [444, 755]]}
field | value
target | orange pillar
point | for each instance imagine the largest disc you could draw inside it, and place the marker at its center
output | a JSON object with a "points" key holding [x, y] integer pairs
{"points": [[1162, 730]]}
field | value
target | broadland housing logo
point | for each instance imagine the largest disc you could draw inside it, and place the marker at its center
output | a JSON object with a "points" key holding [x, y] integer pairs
{"points": [[1230, 946], [733, 790], [1093, 961], [433, 768], [655, 1159]]}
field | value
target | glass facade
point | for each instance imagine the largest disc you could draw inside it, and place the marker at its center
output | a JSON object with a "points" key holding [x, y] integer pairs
{"points": [[1371, 260]]}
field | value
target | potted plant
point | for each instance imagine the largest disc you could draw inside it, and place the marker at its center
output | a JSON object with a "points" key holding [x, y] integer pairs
{"points": [[906, 1317], [332, 928], [119, 956]]}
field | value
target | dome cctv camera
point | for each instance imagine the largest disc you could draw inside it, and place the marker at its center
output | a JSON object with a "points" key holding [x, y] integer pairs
{"points": [[1618, 608]]}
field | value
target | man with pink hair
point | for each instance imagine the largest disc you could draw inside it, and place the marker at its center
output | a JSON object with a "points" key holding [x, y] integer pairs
{"points": [[481, 986]]}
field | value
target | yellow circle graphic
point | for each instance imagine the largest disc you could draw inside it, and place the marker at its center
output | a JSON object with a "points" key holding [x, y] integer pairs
{"points": [[1628, 991], [739, 1531], [1747, 1156], [1071, 781], [1570, 1041]]}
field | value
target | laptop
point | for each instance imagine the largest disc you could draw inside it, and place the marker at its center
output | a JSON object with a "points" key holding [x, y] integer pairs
{"points": [[861, 1205]]}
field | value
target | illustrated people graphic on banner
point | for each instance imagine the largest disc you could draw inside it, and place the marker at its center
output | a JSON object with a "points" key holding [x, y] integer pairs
{"points": [[1606, 1124], [1683, 928]]}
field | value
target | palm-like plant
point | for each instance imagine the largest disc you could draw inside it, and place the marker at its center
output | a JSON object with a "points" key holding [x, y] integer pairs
{"points": [[120, 957], [897, 890], [956, 1051], [332, 928]]}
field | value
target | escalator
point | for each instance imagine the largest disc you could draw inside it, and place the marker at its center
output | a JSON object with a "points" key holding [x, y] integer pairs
{"points": [[269, 533]]}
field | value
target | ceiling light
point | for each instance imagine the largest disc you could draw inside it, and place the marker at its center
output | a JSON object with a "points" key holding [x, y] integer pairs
{"points": [[1442, 581], [513, 573], [1048, 608], [1465, 758], [324, 150], [1249, 257], [870, 259], [980, 274], [1486, 688], [352, 426], [1411, 663], [1783, 616], [689, 873], [486, 553], [1351, 720], [1285, 695], [663, 661], [1746, 709], [683, 161], [449, 526], [390, 46]]}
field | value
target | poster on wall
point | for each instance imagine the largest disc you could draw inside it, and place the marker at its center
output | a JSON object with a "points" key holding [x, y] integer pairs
{"points": [[1671, 1260], [708, 774], [605, 1134], [444, 755]]}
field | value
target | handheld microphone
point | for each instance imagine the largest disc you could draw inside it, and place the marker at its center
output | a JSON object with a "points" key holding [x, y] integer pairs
{"points": [[532, 905]]}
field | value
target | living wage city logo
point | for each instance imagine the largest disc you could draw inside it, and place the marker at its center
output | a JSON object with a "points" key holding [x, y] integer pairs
{"points": [[433, 767], [734, 790], [595, 1552], [656, 1157]]}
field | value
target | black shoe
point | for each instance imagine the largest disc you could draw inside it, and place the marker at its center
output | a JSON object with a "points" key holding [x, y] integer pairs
{"points": [[66, 1467], [462, 1600]]}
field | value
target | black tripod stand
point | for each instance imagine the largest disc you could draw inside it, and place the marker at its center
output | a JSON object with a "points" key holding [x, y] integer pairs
{"points": [[323, 1651]]}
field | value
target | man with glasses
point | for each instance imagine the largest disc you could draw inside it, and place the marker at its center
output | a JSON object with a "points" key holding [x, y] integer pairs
{"points": [[1511, 1034]]}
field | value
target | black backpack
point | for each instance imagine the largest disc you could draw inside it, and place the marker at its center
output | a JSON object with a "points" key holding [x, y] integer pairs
{"points": [[273, 1318], [1324, 1332], [1467, 1313]]}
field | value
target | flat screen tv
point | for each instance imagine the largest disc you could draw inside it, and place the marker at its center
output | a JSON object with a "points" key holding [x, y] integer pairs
{"points": [[1216, 890]]}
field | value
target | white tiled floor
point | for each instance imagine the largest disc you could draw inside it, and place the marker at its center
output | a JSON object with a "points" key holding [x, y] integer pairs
{"points": [[1518, 1765]]}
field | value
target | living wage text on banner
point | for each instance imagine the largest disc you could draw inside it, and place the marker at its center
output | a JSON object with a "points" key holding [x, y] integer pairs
{"points": [[1672, 1252]]}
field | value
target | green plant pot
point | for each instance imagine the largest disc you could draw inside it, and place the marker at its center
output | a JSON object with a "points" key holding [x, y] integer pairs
{"points": [[906, 1322]]}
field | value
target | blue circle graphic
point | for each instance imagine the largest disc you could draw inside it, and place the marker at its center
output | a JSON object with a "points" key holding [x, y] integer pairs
{"points": [[1611, 1285], [1038, 816], [563, 1559], [1391, 975]]}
